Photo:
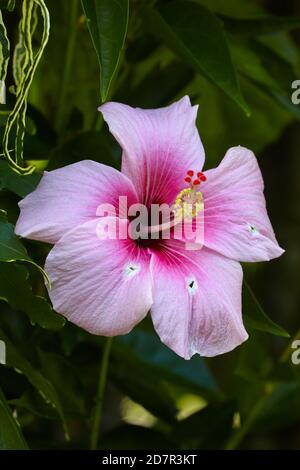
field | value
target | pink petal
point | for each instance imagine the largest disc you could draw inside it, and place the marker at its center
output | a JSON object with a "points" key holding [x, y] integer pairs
{"points": [[197, 301], [103, 286], [159, 147], [236, 221], [68, 197]]}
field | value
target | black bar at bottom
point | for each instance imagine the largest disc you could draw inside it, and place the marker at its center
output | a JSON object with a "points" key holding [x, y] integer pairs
{"points": [[135, 459]]}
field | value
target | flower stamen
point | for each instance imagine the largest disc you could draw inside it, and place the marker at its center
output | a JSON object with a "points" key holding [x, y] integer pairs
{"points": [[189, 202]]}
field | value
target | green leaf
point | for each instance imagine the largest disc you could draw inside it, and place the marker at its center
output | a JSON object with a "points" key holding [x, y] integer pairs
{"points": [[257, 26], [7, 4], [236, 8], [107, 21], [262, 65], [196, 34], [16, 290], [142, 383], [194, 374], [11, 249], [11, 437], [85, 72], [275, 403], [90, 145], [159, 86], [280, 41], [65, 379], [33, 402], [221, 127], [250, 63], [135, 437], [256, 318], [18, 184], [283, 46], [281, 408], [206, 429], [255, 362], [18, 362]]}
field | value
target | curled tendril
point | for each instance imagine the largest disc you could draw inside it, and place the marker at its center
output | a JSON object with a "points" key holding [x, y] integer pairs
{"points": [[25, 63]]}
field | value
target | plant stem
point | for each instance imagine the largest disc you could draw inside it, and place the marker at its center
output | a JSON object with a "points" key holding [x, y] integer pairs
{"points": [[72, 32], [100, 394], [237, 437]]}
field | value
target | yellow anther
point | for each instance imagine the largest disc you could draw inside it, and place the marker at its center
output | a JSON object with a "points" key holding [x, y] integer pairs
{"points": [[188, 203]]}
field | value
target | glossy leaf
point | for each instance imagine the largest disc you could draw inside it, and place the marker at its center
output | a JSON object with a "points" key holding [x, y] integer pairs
{"points": [[16, 290], [271, 72], [193, 374], [158, 87], [141, 383], [255, 317], [107, 21], [11, 249], [221, 127], [283, 46], [11, 437], [65, 379], [250, 63], [18, 184], [207, 429], [33, 402], [197, 36], [86, 145], [281, 407], [235, 8], [254, 362], [260, 25], [18, 362]]}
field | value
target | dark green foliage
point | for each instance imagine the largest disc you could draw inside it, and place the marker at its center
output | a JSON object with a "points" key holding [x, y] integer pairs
{"points": [[237, 60]]}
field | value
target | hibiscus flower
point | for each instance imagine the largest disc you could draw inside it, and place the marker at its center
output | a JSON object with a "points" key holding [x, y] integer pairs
{"points": [[108, 286]]}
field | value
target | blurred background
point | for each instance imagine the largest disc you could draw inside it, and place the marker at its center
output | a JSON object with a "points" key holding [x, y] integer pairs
{"points": [[248, 399]]}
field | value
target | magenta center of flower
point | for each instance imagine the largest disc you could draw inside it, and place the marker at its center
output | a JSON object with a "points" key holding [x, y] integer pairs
{"points": [[187, 205]]}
